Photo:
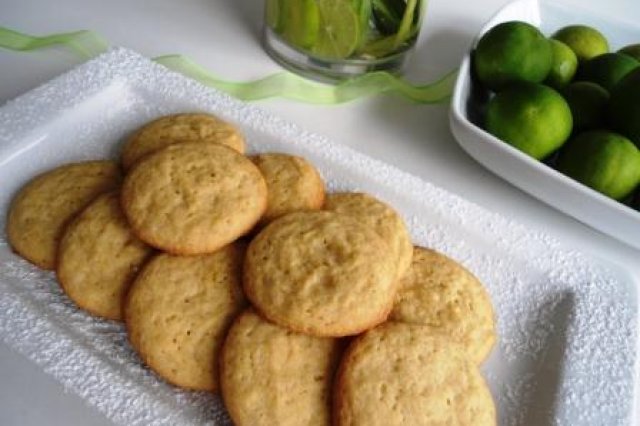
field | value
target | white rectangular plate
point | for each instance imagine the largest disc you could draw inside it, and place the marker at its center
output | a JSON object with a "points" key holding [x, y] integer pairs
{"points": [[536, 178], [566, 323]]}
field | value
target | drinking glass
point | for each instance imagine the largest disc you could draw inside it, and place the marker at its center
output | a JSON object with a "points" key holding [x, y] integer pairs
{"points": [[337, 39]]}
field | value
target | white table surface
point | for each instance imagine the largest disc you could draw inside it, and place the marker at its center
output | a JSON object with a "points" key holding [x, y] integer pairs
{"points": [[224, 36]]}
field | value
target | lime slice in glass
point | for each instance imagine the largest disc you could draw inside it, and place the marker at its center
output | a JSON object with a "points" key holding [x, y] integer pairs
{"points": [[339, 34], [300, 20]]}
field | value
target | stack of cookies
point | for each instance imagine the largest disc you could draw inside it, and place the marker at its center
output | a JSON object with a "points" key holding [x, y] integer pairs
{"points": [[240, 275]]}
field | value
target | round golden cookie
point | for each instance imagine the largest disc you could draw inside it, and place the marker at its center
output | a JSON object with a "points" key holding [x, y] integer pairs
{"points": [[380, 217], [440, 293], [270, 375], [320, 273], [193, 198], [293, 184], [180, 128], [404, 374], [178, 311], [98, 257], [43, 207]]}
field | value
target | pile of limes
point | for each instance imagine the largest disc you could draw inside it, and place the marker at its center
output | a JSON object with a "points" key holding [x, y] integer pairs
{"points": [[567, 100]]}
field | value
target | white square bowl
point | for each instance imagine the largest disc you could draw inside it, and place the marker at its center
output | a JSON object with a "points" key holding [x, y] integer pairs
{"points": [[536, 178]]}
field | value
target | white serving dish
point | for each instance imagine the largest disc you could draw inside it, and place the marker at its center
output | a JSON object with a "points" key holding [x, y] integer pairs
{"points": [[536, 178], [567, 323]]}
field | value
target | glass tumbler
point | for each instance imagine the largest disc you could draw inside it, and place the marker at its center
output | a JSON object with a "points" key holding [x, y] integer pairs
{"points": [[337, 39]]}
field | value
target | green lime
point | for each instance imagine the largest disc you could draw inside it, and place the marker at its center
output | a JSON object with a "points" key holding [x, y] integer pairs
{"points": [[588, 104], [300, 21], [339, 34], [510, 52], [605, 161], [564, 64], [607, 69], [624, 107], [586, 42], [632, 50], [531, 117]]}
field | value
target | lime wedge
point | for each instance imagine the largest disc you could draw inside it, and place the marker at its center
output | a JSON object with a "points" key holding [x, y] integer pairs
{"points": [[400, 22], [300, 20], [380, 47], [388, 14], [364, 10], [404, 31], [384, 46], [339, 33]]}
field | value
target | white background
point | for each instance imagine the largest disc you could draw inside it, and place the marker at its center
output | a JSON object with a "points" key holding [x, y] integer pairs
{"points": [[224, 36]]}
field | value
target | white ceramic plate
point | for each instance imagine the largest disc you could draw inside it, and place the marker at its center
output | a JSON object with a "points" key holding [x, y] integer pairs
{"points": [[534, 177], [566, 323]]}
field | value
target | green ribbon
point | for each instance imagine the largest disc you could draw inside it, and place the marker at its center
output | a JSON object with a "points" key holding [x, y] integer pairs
{"points": [[88, 44]]}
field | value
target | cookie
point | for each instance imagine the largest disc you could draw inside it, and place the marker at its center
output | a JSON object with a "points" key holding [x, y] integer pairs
{"points": [[321, 273], [270, 375], [380, 217], [441, 294], [293, 184], [193, 197], [180, 128], [98, 257], [42, 208], [400, 374], [178, 311]]}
